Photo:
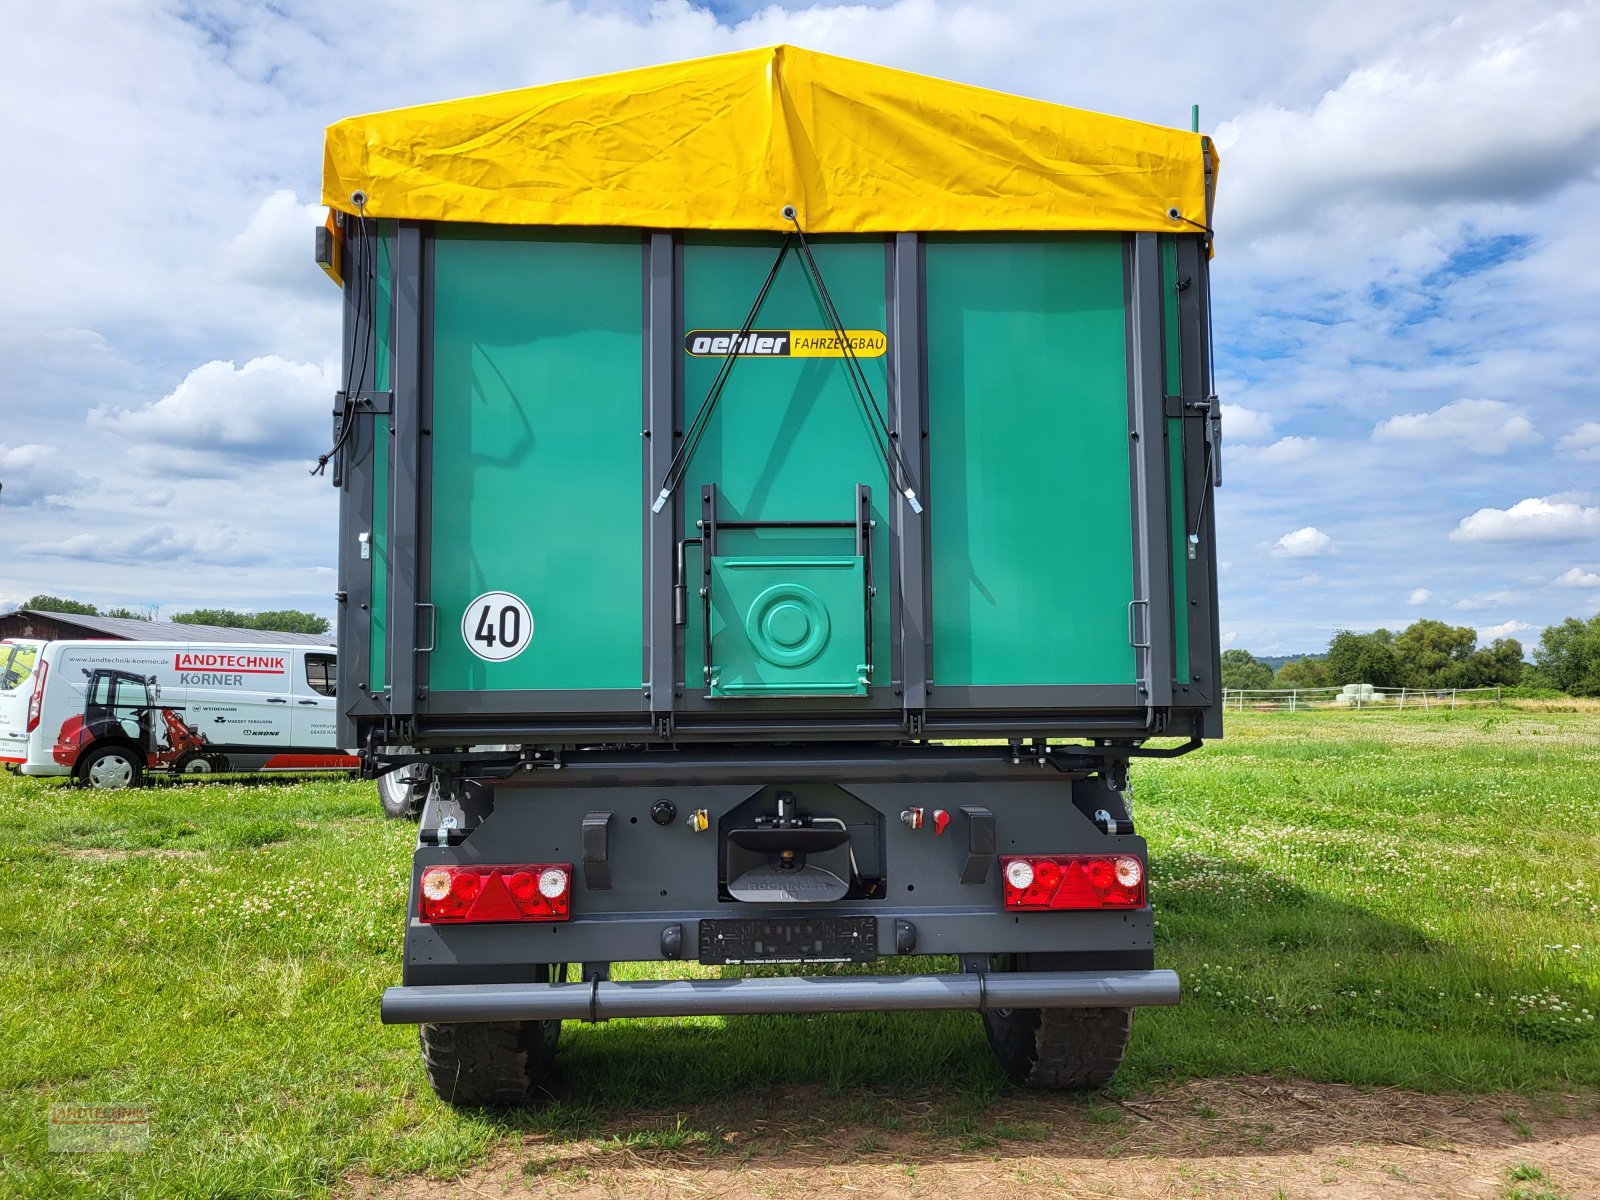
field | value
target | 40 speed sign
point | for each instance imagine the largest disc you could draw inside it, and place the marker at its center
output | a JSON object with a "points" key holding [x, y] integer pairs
{"points": [[497, 626]]}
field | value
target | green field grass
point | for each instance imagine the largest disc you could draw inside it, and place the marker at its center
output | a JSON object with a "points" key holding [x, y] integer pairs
{"points": [[1399, 899]]}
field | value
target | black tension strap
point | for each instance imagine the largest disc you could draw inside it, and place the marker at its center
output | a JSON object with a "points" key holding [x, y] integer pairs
{"points": [[887, 440], [356, 375], [702, 419]]}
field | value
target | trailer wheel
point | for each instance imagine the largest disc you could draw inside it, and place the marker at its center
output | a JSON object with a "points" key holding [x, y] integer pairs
{"points": [[193, 763], [481, 1064], [1058, 1049], [114, 766], [403, 791]]}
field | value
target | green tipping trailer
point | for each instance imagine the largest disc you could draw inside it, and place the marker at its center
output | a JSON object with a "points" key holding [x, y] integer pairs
{"points": [[774, 512]]}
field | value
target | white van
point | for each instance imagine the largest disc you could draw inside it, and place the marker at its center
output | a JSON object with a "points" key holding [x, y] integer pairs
{"points": [[19, 657], [105, 712]]}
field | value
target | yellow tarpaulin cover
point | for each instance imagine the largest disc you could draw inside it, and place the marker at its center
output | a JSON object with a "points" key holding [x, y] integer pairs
{"points": [[725, 142]]}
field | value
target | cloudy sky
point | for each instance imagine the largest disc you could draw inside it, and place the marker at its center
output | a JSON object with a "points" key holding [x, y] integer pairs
{"points": [[1407, 281]]}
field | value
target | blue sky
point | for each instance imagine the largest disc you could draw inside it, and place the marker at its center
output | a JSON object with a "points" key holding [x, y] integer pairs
{"points": [[1406, 283]]}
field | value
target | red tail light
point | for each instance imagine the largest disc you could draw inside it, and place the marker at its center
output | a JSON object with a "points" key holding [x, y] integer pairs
{"points": [[1035, 882], [36, 701], [469, 894]]}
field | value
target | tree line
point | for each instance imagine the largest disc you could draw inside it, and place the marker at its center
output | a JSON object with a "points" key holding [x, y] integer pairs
{"points": [[1432, 654], [281, 620]]}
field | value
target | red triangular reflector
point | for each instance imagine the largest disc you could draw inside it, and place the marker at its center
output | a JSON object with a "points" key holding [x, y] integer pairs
{"points": [[494, 903]]}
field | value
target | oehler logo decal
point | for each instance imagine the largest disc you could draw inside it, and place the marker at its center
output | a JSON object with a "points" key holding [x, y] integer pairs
{"points": [[785, 343]]}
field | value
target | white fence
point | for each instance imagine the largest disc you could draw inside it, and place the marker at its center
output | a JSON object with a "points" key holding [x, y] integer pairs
{"points": [[1357, 695]]}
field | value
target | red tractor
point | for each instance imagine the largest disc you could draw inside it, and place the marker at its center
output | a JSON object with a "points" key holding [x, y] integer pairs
{"points": [[117, 737]]}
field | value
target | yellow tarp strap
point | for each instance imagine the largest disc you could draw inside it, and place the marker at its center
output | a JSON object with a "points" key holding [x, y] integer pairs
{"points": [[725, 142]]}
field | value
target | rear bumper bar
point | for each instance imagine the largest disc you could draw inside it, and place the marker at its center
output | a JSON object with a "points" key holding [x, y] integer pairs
{"points": [[602, 1000]]}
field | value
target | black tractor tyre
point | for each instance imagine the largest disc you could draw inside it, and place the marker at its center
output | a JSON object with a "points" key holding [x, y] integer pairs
{"points": [[403, 791], [488, 1064], [1058, 1049], [113, 766], [484, 1064], [193, 763]]}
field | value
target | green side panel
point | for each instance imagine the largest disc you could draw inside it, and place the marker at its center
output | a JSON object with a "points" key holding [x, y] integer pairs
{"points": [[382, 447], [1180, 551], [537, 396], [382, 444], [383, 308], [1172, 345], [788, 440], [1028, 496], [788, 626], [1173, 357]]}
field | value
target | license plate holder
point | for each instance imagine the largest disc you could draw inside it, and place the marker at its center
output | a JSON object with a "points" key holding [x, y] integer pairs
{"points": [[788, 940]]}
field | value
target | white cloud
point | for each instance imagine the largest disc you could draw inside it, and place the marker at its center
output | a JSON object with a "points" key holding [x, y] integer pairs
{"points": [[1245, 426], [1582, 443], [34, 474], [1283, 452], [1488, 427], [20, 471], [1309, 542], [269, 409], [1536, 519], [1577, 577], [1503, 630], [1485, 600], [1420, 596], [1456, 108], [153, 544], [274, 250]]}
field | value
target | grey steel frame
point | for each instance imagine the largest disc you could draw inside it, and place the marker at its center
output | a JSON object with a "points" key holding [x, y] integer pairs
{"points": [[601, 1000], [910, 705], [353, 471]]}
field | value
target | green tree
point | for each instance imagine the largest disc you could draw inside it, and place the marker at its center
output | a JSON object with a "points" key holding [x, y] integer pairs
{"points": [[1498, 664], [1241, 669], [44, 603], [225, 617], [1364, 658], [1303, 673], [1568, 656], [127, 614], [1432, 654], [290, 620], [282, 620]]}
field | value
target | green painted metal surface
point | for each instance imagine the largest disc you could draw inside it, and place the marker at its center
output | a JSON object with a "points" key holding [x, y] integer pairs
{"points": [[1173, 361], [788, 626], [537, 352], [1028, 497], [382, 336], [383, 307], [787, 440]]}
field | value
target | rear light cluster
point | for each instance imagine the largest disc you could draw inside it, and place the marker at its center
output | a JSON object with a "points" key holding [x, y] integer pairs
{"points": [[467, 894], [36, 700], [1045, 881]]}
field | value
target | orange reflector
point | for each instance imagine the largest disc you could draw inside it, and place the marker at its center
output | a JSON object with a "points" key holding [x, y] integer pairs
{"points": [[330, 249]]}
